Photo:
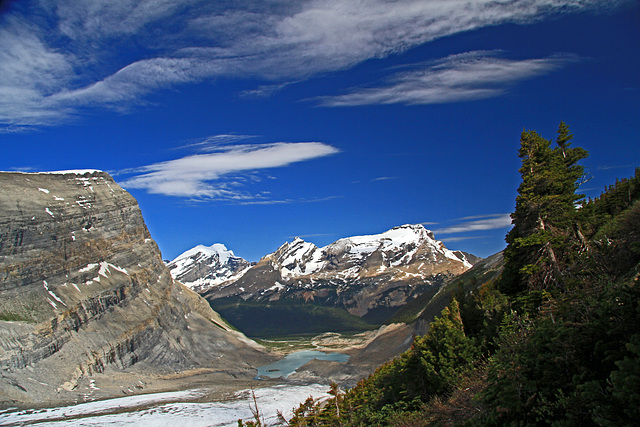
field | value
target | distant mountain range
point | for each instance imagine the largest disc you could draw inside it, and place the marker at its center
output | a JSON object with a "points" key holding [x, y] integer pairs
{"points": [[352, 283]]}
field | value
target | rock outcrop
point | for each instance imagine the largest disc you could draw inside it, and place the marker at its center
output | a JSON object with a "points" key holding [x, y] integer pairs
{"points": [[84, 293]]}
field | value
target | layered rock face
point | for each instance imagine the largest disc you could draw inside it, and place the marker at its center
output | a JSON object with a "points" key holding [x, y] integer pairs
{"points": [[84, 291], [368, 276]]}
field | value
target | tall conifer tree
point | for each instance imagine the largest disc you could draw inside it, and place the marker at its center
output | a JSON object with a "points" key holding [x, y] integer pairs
{"points": [[544, 218]]}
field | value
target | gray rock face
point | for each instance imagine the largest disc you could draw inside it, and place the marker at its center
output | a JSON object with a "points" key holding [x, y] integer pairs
{"points": [[84, 291]]}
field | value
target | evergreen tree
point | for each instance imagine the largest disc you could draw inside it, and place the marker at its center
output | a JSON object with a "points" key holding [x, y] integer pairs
{"points": [[544, 225], [438, 359]]}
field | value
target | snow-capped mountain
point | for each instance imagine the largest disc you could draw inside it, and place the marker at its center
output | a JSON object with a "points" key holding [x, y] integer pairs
{"points": [[408, 250], [398, 248], [361, 274], [203, 267]]}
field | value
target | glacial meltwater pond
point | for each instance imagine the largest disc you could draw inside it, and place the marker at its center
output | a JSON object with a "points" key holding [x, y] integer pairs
{"points": [[288, 365]]}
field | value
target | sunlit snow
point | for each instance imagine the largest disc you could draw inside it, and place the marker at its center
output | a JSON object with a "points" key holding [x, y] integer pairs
{"points": [[158, 412]]}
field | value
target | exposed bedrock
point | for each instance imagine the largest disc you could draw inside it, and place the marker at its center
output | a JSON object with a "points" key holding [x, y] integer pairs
{"points": [[83, 290]]}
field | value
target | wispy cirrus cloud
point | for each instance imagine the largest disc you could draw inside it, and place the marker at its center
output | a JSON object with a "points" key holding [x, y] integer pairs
{"points": [[377, 179], [264, 200], [265, 91], [461, 238], [15, 129], [221, 172], [456, 78], [213, 143], [58, 59], [477, 223], [609, 167]]}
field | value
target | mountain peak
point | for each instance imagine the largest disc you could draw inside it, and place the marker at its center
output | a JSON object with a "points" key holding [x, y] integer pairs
{"points": [[297, 258], [215, 249], [369, 275], [203, 266]]}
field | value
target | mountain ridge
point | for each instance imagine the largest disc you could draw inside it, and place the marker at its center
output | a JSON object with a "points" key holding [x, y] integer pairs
{"points": [[359, 277]]}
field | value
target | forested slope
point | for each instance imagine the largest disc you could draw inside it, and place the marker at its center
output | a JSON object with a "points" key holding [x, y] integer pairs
{"points": [[554, 340]]}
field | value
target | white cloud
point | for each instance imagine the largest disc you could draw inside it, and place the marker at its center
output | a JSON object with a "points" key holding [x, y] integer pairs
{"points": [[262, 200], [463, 77], [98, 19], [31, 72], [211, 175], [488, 222], [15, 129], [132, 82], [58, 58]]}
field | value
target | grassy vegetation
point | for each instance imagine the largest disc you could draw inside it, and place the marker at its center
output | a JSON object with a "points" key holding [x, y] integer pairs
{"points": [[8, 316], [288, 344], [21, 308]]}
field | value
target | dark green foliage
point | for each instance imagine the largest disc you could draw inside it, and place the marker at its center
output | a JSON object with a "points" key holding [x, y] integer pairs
{"points": [[482, 311], [625, 385], [307, 415], [545, 215], [565, 357], [616, 245], [281, 318], [433, 365], [611, 224], [564, 368], [435, 362], [554, 341], [616, 198]]}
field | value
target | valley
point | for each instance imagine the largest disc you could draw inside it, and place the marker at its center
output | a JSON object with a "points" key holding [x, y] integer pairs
{"points": [[319, 213], [89, 311]]}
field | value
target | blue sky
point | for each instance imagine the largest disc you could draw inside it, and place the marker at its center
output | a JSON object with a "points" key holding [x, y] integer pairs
{"points": [[251, 122]]}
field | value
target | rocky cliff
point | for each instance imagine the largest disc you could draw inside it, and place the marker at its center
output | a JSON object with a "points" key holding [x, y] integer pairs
{"points": [[84, 294]]}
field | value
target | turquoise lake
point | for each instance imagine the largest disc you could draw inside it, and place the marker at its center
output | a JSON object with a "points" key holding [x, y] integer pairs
{"points": [[288, 365]]}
